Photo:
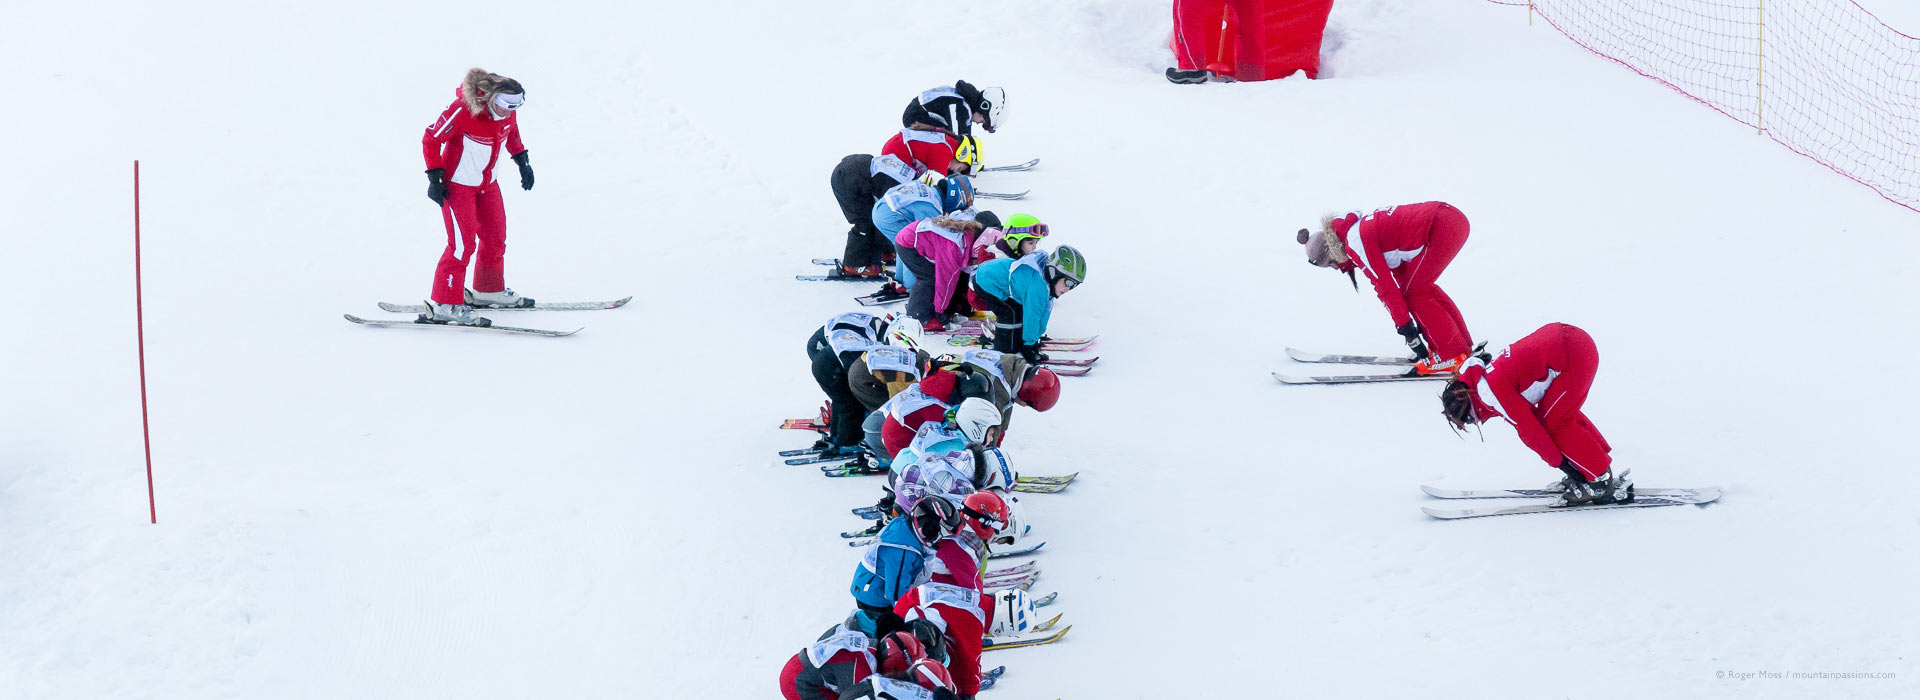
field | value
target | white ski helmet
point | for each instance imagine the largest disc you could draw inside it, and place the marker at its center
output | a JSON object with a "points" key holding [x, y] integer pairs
{"points": [[999, 472], [905, 332], [973, 417], [1012, 613], [1016, 523]]}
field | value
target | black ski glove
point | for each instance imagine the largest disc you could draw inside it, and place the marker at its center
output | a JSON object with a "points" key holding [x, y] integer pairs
{"points": [[437, 190], [1412, 334], [526, 171]]}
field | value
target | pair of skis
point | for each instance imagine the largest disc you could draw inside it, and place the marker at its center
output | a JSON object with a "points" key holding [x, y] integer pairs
{"points": [[1643, 498], [1006, 169], [1050, 344], [541, 306], [837, 276], [1318, 358]]}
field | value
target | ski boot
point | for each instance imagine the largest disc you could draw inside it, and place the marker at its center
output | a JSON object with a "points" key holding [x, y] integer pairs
{"points": [[837, 451], [934, 324], [864, 465], [451, 314], [503, 299], [1605, 490], [1187, 77], [1433, 365]]}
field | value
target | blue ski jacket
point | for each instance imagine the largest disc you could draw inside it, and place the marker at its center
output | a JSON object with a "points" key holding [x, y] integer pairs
{"points": [[892, 566], [1021, 282]]}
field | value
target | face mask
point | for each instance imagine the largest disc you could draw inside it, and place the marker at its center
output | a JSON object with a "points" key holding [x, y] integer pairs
{"points": [[505, 103]]}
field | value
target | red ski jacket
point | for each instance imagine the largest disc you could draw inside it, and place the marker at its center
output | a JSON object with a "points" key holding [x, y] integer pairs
{"points": [[1378, 242], [1537, 381], [924, 150], [467, 146]]}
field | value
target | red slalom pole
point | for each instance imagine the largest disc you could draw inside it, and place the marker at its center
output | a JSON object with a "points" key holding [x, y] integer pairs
{"points": [[140, 331]]}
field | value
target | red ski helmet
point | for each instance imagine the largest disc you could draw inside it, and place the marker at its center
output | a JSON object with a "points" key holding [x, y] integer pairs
{"points": [[900, 650], [1041, 390], [986, 513], [931, 675]]}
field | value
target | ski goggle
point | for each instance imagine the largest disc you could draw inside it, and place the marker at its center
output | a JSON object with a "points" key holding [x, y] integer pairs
{"points": [[1034, 231], [508, 102]]}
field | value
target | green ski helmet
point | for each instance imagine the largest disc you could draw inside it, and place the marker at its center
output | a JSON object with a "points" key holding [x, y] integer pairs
{"points": [[1021, 228], [1069, 263]]}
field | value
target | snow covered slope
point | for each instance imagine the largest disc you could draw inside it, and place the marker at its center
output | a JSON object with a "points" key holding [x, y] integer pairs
{"points": [[348, 512]]}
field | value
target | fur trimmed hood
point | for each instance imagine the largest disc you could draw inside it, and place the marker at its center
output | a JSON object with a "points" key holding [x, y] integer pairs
{"points": [[479, 87], [1324, 248]]}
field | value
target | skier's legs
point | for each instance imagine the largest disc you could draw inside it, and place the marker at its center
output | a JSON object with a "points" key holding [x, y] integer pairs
{"points": [[843, 422], [1581, 360], [1006, 320], [1445, 238], [871, 435], [462, 222], [1576, 436], [490, 266], [1447, 307], [1196, 31], [920, 293], [1439, 322], [901, 273], [850, 190]]}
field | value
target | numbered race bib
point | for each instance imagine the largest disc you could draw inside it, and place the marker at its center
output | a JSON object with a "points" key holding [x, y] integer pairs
{"points": [[891, 167], [823, 650]]}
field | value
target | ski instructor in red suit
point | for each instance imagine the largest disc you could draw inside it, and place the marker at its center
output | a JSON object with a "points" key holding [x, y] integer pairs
{"points": [[462, 147], [1402, 250], [1538, 385]]}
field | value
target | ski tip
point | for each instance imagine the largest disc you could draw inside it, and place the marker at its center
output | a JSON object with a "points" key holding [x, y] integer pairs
{"points": [[1431, 490], [392, 307], [1448, 513], [355, 319], [617, 303]]}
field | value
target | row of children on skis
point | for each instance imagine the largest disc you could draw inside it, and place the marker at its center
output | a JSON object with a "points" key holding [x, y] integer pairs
{"points": [[933, 424]]}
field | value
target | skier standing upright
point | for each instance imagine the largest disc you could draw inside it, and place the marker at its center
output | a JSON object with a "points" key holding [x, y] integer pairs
{"points": [[468, 138]]}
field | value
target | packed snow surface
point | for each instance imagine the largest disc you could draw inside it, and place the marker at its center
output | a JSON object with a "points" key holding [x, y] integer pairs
{"points": [[355, 512]]}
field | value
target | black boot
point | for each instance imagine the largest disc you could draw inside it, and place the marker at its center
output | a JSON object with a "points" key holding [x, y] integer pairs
{"points": [[1187, 77], [1006, 339], [1601, 491]]}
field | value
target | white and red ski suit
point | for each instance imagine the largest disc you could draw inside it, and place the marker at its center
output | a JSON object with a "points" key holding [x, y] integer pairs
{"points": [[1402, 251], [466, 142], [1538, 385]]}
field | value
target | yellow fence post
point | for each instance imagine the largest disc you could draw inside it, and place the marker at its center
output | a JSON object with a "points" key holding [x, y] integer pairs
{"points": [[1759, 68]]}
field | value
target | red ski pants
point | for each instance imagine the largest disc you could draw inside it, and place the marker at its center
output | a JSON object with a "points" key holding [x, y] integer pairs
{"points": [[1203, 35], [1559, 407], [1440, 321], [473, 215]]}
